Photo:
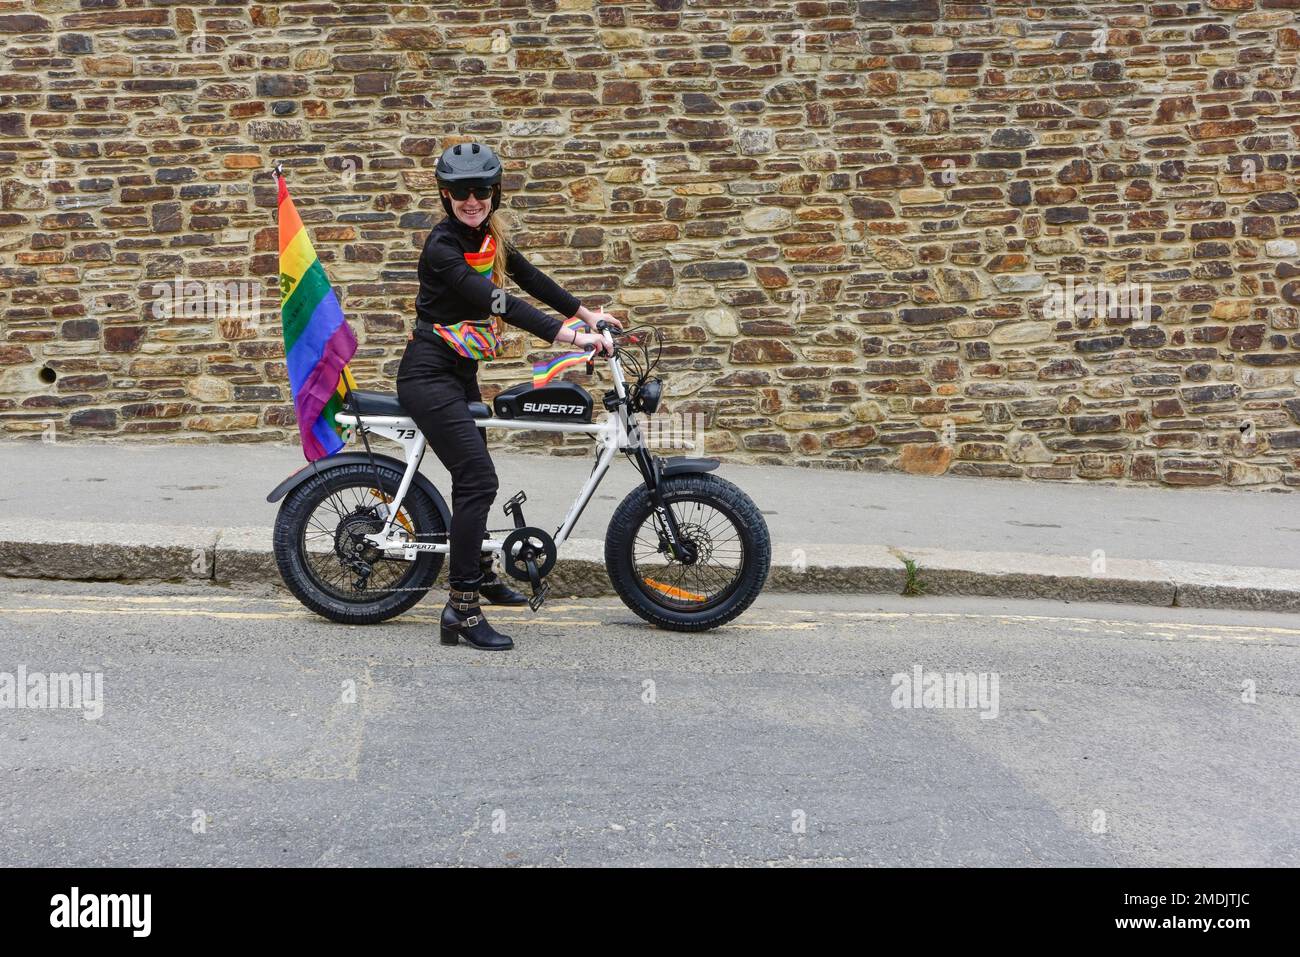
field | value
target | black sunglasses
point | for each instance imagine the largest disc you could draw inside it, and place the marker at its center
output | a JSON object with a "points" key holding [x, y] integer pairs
{"points": [[460, 192]]}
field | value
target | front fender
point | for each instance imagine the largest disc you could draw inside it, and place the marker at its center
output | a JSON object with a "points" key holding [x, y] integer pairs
{"points": [[319, 467], [684, 465]]}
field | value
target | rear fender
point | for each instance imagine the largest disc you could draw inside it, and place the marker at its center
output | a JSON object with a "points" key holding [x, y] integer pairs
{"points": [[321, 466]]}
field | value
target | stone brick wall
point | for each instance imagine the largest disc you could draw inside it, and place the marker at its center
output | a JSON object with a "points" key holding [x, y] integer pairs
{"points": [[850, 218]]}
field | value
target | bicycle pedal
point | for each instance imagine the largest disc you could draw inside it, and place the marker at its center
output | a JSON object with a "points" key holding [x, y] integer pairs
{"points": [[540, 592], [514, 508]]}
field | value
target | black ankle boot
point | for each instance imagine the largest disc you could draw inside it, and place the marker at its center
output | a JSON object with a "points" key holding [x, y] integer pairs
{"points": [[497, 590], [462, 619]]}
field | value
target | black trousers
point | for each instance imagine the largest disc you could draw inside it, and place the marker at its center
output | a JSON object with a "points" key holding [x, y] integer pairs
{"points": [[435, 385]]}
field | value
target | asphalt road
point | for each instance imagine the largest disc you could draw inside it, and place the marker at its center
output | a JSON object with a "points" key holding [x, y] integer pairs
{"points": [[229, 735]]}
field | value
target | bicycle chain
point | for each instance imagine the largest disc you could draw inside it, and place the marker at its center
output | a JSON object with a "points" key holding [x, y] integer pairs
{"points": [[433, 536], [420, 538]]}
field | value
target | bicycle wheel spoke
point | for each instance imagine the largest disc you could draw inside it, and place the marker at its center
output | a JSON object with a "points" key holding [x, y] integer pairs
{"points": [[719, 561], [715, 581], [312, 520], [342, 517]]}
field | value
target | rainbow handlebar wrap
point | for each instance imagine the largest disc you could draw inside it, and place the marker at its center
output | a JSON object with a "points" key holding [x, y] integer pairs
{"points": [[318, 343]]}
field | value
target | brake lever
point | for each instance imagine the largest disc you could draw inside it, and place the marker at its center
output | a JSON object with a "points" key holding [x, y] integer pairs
{"points": [[603, 328], [591, 362]]}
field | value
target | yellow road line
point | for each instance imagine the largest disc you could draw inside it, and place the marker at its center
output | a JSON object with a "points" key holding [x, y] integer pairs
{"points": [[243, 600], [173, 612], [602, 602], [771, 625], [245, 615], [1010, 619], [305, 614], [151, 605], [160, 599]]}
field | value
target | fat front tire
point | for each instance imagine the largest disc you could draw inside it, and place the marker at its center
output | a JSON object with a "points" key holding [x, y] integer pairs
{"points": [[314, 529], [727, 530]]}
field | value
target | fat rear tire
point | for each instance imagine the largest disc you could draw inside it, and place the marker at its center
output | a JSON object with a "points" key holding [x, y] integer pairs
{"points": [[290, 546]]}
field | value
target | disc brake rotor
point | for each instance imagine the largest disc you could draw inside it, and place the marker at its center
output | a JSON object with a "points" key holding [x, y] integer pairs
{"points": [[695, 580], [701, 549]]}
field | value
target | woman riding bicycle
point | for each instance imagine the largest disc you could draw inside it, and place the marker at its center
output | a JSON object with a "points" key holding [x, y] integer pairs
{"points": [[462, 269]]}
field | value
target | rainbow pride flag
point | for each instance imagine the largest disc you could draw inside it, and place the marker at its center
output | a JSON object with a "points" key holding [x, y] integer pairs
{"points": [[544, 372], [476, 340], [318, 343]]}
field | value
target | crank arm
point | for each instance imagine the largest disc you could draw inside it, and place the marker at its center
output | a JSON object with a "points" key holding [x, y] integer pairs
{"points": [[540, 588]]}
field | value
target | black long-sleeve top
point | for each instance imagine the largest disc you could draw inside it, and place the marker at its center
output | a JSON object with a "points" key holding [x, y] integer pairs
{"points": [[451, 291]]}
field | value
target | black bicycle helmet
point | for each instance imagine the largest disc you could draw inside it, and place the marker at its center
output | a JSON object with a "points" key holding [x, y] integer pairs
{"points": [[473, 164]]}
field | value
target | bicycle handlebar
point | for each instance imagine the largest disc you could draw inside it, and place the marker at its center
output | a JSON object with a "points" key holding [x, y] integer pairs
{"points": [[609, 332]]}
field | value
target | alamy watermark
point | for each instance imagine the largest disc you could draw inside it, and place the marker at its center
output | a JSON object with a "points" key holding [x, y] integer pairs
{"points": [[40, 690], [235, 304], [947, 689], [1094, 300], [667, 430], [127, 911]]}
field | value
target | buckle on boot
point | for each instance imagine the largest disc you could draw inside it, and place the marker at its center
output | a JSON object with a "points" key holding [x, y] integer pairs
{"points": [[472, 620], [462, 600]]}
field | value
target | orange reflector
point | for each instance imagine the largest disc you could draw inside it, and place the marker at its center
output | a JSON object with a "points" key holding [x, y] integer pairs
{"points": [[401, 516], [673, 591]]}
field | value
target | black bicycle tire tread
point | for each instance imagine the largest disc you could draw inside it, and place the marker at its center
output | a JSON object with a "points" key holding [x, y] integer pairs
{"points": [[338, 611], [633, 509]]}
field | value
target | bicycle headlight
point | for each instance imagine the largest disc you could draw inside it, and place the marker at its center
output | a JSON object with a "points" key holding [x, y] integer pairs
{"points": [[649, 395]]}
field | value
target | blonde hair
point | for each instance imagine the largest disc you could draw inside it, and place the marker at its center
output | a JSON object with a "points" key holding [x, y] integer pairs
{"points": [[499, 229]]}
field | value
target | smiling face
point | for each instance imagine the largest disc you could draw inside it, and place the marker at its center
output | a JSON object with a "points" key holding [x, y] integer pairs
{"points": [[472, 212]]}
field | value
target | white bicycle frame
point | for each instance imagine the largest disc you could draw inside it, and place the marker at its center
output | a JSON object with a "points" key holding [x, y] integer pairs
{"points": [[615, 432]]}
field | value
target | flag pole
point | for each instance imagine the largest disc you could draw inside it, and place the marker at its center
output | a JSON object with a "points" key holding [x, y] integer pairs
{"points": [[350, 400]]}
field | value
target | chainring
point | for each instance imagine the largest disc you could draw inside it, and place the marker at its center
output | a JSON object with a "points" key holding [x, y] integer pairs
{"points": [[524, 545]]}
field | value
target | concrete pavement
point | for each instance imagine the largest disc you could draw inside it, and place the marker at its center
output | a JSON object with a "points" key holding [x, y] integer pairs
{"points": [[198, 512]]}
